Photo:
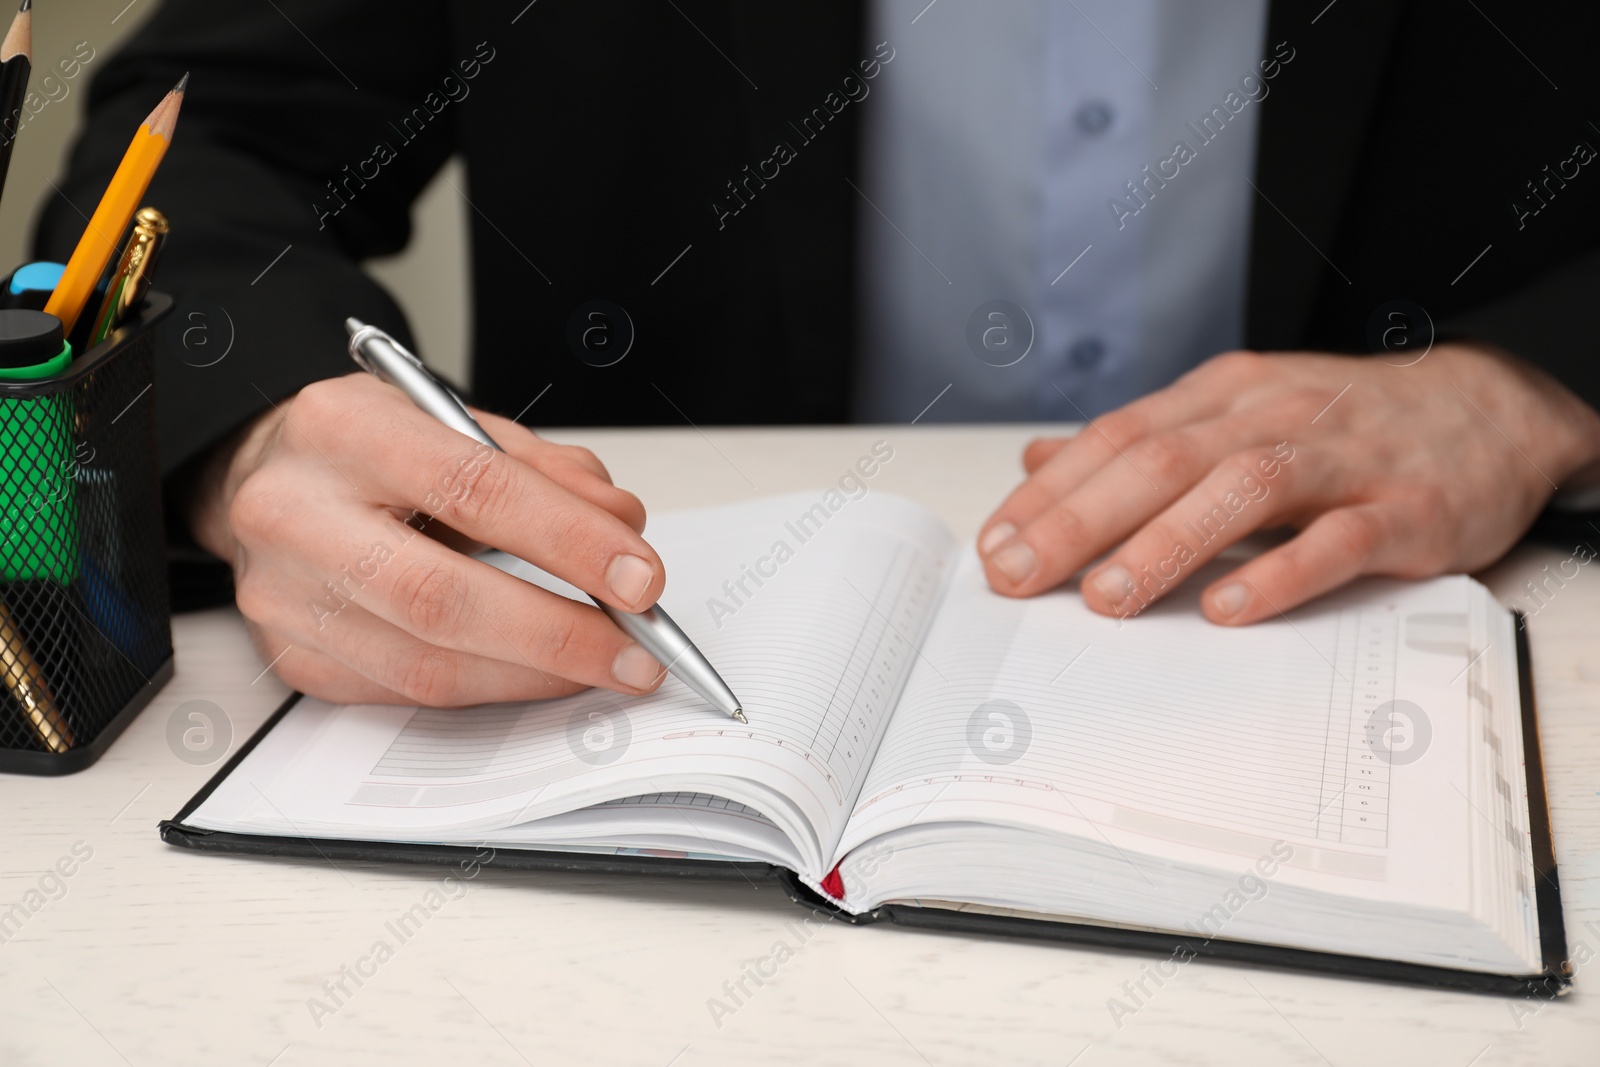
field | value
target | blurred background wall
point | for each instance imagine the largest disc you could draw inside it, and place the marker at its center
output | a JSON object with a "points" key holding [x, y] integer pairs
{"points": [[429, 278]]}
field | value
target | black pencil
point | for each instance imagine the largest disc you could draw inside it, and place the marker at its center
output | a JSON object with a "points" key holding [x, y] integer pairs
{"points": [[16, 62]]}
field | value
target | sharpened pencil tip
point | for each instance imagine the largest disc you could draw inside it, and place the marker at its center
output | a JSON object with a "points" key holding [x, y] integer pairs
{"points": [[18, 37], [183, 83]]}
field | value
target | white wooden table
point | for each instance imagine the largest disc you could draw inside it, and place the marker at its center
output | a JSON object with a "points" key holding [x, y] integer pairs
{"points": [[154, 955]]}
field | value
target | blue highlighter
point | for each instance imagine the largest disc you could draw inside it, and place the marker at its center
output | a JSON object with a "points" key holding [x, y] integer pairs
{"points": [[30, 285]]}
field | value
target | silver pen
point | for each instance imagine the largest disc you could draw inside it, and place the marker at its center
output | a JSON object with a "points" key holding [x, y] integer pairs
{"points": [[381, 355]]}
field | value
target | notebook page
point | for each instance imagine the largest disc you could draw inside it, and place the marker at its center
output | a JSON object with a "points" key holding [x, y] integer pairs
{"points": [[810, 612], [1168, 737]]}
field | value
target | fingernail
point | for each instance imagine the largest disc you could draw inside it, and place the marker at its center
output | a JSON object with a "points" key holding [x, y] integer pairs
{"points": [[996, 537], [636, 668], [628, 577], [1114, 583], [1015, 561], [1230, 600]]}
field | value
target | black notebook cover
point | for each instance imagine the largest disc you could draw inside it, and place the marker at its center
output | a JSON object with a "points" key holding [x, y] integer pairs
{"points": [[1555, 979]]}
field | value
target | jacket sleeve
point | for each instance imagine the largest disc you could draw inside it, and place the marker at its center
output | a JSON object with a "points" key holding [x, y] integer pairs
{"points": [[290, 165], [1549, 322]]}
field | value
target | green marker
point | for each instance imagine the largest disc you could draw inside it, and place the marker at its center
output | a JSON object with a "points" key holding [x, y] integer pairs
{"points": [[38, 486]]}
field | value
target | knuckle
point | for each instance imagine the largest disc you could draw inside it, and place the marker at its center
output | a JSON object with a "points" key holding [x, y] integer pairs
{"points": [[627, 507], [428, 598], [479, 493], [429, 677], [1038, 451], [258, 507], [588, 541], [583, 457], [256, 600], [1304, 405], [1242, 465], [573, 534], [320, 405], [294, 672], [1166, 458], [1065, 527], [1432, 549], [1122, 427], [1238, 363], [1428, 502], [1263, 465], [556, 638], [1358, 532]]}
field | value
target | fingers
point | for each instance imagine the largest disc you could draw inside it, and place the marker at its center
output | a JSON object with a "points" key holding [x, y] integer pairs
{"points": [[1233, 501], [1025, 555], [1338, 546], [1096, 447], [527, 445], [314, 674], [1058, 466], [496, 499], [574, 468], [450, 601], [444, 600], [329, 567], [377, 663], [1041, 450]]}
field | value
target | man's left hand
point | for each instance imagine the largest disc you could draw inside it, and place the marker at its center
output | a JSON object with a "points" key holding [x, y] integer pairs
{"points": [[1408, 471]]}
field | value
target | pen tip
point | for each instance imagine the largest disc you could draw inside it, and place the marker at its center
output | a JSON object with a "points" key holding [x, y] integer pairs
{"points": [[354, 326], [183, 83], [738, 713]]}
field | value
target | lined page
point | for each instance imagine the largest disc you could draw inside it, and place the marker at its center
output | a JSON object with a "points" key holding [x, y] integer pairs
{"points": [[810, 612], [1169, 737], [1163, 713]]}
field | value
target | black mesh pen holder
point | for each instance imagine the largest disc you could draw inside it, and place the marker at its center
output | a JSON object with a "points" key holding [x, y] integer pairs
{"points": [[85, 627]]}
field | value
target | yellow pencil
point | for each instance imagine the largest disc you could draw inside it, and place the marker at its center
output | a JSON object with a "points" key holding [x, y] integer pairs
{"points": [[127, 188]]}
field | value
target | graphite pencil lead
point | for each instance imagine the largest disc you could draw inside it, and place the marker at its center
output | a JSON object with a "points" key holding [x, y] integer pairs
{"points": [[164, 119]]}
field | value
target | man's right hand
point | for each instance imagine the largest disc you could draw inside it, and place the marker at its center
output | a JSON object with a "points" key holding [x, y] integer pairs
{"points": [[337, 510]]}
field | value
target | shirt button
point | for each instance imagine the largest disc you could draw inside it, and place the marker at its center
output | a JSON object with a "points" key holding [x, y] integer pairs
{"points": [[1093, 117], [1086, 353]]}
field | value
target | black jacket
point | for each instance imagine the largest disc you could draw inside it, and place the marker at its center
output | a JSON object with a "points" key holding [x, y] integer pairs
{"points": [[600, 137]]}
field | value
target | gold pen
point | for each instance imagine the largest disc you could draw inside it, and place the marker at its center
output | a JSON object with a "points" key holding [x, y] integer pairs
{"points": [[131, 280], [26, 683]]}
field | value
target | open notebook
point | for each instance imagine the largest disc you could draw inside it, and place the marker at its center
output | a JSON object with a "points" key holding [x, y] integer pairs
{"points": [[1343, 788]]}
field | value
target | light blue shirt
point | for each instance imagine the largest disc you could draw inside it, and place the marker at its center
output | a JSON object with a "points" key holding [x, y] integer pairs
{"points": [[1028, 153]]}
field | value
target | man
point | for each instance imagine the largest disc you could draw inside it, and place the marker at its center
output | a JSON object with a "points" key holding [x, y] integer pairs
{"points": [[709, 179]]}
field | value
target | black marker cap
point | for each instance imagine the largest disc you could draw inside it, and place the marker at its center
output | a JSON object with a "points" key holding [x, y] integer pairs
{"points": [[28, 338]]}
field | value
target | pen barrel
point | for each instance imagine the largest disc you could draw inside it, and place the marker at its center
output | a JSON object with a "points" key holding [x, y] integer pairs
{"points": [[379, 354], [130, 280], [660, 636], [653, 629]]}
